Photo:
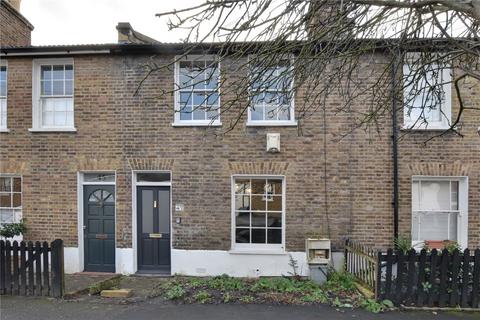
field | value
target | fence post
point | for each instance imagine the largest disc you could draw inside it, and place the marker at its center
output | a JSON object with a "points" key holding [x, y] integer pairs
{"points": [[378, 275], [476, 280], [58, 277], [2, 267]]}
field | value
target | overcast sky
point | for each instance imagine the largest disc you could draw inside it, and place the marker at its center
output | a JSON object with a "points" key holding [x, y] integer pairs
{"points": [[94, 21]]}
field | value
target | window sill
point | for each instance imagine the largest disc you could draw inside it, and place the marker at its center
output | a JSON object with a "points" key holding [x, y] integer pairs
{"points": [[429, 128], [197, 124], [4, 130], [272, 123], [277, 252], [52, 130]]}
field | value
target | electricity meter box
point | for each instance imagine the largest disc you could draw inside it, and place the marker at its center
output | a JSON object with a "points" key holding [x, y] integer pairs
{"points": [[318, 251]]}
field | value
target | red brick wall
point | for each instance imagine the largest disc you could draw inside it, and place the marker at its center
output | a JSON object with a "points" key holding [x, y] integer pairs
{"points": [[117, 131], [14, 30]]}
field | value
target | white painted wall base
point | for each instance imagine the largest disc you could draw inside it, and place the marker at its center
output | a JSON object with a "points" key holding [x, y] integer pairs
{"points": [[71, 258], [213, 263], [124, 261]]}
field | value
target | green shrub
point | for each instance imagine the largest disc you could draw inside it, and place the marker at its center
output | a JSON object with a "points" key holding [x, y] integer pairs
{"points": [[174, 292], [317, 296], [202, 297], [374, 306], [284, 285], [10, 230], [340, 281], [225, 283]]}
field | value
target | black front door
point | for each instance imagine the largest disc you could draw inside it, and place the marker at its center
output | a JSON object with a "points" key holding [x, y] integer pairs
{"points": [[99, 228], [153, 229]]}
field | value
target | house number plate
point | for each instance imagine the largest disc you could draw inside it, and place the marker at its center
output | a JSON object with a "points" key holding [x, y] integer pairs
{"points": [[101, 236], [155, 235]]}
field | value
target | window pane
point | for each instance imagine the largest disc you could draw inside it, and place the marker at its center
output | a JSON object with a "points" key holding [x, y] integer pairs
{"points": [[284, 113], [3, 73], [274, 236], [59, 119], [415, 195], [68, 72], [5, 200], [271, 113], [274, 203], [68, 88], [199, 98], [46, 88], [6, 216], [46, 72], [454, 195], [258, 186], [185, 98], [147, 211], [242, 203], [258, 236], [99, 177], [17, 200], [256, 113], [58, 73], [3, 88], [435, 195], [274, 219], [5, 184], [57, 88], [198, 113], [258, 203], [242, 235], [153, 177], [434, 226], [186, 113], [242, 186], [211, 75], [198, 74], [258, 219], [242, 219], [47, 119], [17, 184], [276, 185]]}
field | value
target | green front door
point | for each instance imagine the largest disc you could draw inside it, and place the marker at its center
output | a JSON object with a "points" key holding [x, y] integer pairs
{"points": [[99, 228]]}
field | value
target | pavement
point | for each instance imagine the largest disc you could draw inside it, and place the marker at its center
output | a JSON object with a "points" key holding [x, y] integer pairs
{"points": [[32, 308]]}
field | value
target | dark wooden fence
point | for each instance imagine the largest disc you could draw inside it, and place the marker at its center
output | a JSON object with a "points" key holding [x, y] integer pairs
{"points": [[31, 269], [430, 279], [362, 262]]}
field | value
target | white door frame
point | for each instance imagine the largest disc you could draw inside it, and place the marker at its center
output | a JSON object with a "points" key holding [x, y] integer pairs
{"points": [[136, 184], [80, 213]]}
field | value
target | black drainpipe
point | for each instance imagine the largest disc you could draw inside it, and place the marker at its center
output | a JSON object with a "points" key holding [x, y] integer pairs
{"points": [[395, 150]]}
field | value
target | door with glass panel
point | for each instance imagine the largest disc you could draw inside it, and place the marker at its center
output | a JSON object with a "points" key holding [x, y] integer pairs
{"points": [[153, 223], [99, 229]]}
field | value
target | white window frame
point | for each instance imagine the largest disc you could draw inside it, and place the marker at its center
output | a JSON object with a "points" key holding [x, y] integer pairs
{"points": [[17, 212], [36, 89], [446, 112], [462, 222], [3, 63], [257, 248], [274, 123], [194, 123]]}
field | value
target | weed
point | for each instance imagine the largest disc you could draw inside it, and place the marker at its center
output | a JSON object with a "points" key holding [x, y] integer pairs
{"points": [[227, 297], [374, 306], [202, 297], [174, 292], [340, 281], [317, 296], [247, 299], [225, 283], [283, 285]]}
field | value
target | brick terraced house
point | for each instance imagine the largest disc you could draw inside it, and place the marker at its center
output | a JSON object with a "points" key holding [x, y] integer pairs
{"points": [[132, 186]]}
